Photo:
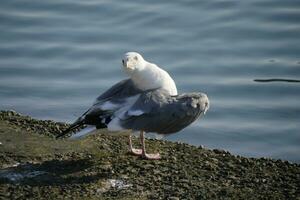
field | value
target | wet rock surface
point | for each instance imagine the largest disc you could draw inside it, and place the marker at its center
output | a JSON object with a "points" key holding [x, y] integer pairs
{"points": [[34, 165]]}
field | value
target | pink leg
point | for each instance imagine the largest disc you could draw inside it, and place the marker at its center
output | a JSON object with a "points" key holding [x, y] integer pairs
{"points": [[137, 152], [155, 156]]}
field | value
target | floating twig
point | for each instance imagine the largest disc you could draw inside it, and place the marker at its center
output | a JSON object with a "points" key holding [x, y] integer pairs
{"points": [[277, 80]]}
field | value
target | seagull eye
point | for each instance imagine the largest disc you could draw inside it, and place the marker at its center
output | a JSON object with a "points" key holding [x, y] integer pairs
{"points": [[135, 58]]}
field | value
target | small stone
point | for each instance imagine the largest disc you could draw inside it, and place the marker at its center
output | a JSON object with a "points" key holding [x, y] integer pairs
{"points": [[219, 151], [173, 198]]}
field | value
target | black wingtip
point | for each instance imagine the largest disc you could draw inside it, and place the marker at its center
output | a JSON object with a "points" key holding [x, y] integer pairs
{"points": [[74, 126], [68, 130], [62, 134]]}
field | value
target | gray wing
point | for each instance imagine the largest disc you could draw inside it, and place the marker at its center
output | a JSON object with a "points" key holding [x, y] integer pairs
{"points": [[119, 91], [110, 101], [99, 114], [156, 111]]}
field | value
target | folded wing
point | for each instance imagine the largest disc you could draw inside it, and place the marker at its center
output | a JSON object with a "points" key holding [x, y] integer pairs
{"points": [[157, 111]]}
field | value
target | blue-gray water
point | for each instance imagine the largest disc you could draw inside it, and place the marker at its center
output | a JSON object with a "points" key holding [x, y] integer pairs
{"points": [[56, 56]]}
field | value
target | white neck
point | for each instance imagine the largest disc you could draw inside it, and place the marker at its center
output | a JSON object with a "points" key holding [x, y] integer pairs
{"points": [[152, 77]]}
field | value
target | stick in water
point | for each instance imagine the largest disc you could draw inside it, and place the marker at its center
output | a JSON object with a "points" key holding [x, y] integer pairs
{"points": [[277, 80]]}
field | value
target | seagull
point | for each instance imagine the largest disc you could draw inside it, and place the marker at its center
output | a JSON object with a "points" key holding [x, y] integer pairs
{"points": [[146, 102]]}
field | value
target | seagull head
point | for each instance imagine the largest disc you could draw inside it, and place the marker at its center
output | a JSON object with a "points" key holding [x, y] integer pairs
{"points": [[133, 62]]}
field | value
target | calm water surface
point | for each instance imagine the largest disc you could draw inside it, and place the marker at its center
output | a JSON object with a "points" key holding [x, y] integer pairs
{"points": [[57, 56]]}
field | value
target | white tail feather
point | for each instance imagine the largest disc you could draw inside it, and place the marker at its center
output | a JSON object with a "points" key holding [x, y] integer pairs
{"points": [[84, 132]]}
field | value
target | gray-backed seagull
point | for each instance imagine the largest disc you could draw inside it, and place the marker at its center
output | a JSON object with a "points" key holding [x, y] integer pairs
{"points": [[146, 102]]}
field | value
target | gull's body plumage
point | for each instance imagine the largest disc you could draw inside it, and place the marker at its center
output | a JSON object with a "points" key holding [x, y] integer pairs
{"points": [[146, 102]]}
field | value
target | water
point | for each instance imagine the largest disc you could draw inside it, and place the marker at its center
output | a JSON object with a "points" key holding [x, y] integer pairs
{"points": [[57, 56]]}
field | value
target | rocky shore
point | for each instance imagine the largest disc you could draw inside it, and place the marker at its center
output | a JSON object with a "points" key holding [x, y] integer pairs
{"points": [[34, 165]]}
